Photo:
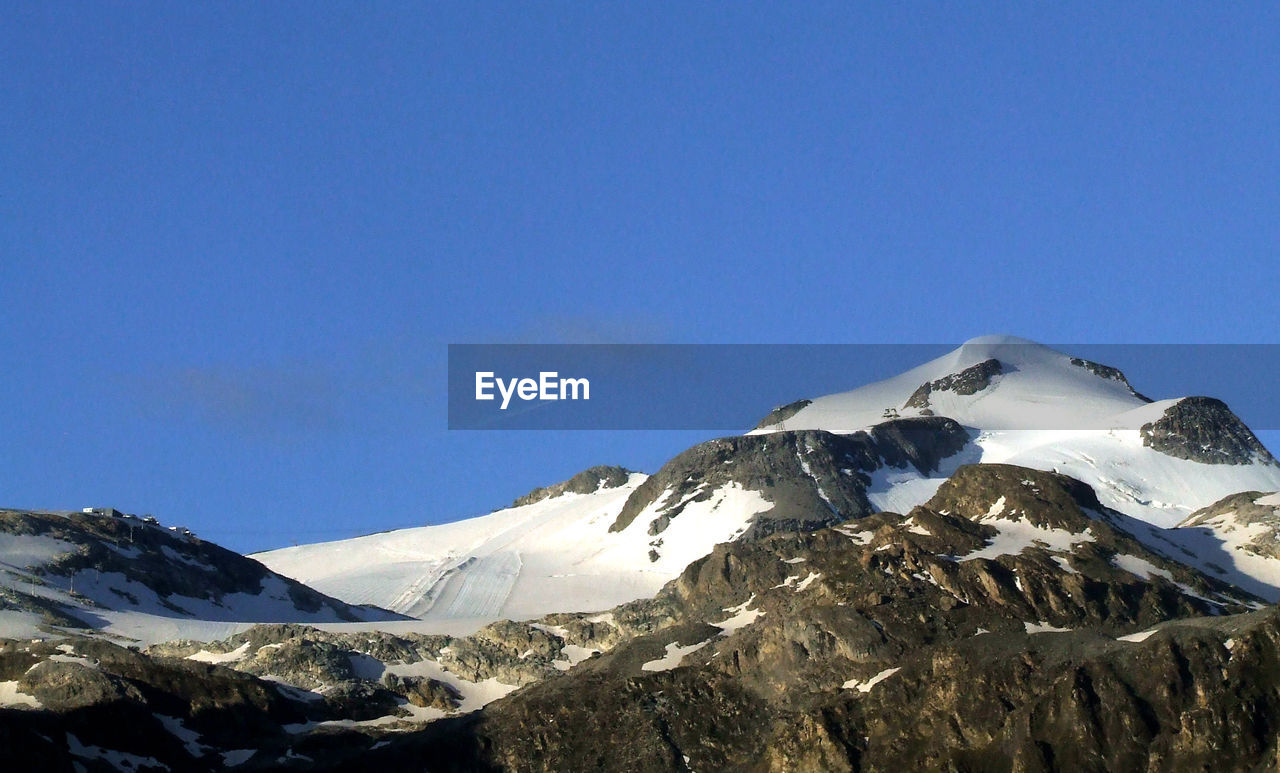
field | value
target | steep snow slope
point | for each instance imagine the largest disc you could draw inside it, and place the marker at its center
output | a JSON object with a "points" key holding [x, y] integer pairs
{"points": [[1237, 539], [1036, 407], [554, 555]]}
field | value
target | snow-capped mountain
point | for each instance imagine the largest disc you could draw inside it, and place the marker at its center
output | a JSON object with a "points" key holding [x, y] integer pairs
{"points": [[605, 537], [853, 555], [993, 382], [105, 569], [1029, 405]]}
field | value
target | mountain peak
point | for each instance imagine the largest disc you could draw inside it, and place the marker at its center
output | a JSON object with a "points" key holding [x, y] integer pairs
{"points": [[988, 346], [995, 382], [1034, 406]]}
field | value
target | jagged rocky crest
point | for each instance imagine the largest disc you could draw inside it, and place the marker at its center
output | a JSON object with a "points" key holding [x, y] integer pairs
{"points": [[891, 643], [1109, 373], [588, 481], [172, 563], [812, 477], [1005, 624]]}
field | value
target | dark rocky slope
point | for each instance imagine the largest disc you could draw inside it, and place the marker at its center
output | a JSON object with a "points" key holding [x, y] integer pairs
{"points": [[969, 381], [117, 561], [1005, 625], [813, 478]]}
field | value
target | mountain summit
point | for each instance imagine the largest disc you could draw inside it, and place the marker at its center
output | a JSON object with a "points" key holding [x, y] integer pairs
{"points": [[1005, 558], [1030, 405], [609, 536]]}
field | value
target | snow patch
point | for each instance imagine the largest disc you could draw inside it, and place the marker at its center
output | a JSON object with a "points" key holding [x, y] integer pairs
{"points": [[854, 684], [739, 617], [996, 508], [1140, 567], [573, 655], [190, 738], [675, 653], [1015, 536], [117, 759], [237, 757], [858, 537], [1043, 628], [806, 582], [204, 656], [1137, 637], [12, 698]]}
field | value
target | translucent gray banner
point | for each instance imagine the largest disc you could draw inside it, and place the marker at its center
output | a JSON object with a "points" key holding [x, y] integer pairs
{"points": [[732, 387]]}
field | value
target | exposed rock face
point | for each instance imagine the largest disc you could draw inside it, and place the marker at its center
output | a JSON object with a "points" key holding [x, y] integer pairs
{"points": [[1203, 429], [116, 699], [774, 465], [302, 661], [588, 481], [983, 493], [922, 443], [175, 565], [866, 647], [64, 685], [813, 478], [780, 414], [424, 692], [513, 653], [1109, 373], [969, 381], [1004, 625]]}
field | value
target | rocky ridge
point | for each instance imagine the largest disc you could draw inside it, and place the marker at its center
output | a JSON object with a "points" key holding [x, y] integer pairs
{"points": [[588, 481], [981, 631], [1110, 373], [79, 562], [819, 651], [813, 478]]}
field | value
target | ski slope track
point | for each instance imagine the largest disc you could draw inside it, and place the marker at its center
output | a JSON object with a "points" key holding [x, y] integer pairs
{"points": [[609, 536], [1022, 404], [555, 555]]}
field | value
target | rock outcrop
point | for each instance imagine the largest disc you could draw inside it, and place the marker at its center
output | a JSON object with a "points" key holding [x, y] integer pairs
{"points": [[1010, 623], [1204, 429], [813, 478], [969, 381], [588, 481]]}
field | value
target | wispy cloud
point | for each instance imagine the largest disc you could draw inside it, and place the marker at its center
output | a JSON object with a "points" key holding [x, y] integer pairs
{"points": [[285, 400]]}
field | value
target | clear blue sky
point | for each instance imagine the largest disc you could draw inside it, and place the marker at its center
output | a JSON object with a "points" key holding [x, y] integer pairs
{"points": [[235, 238]]}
